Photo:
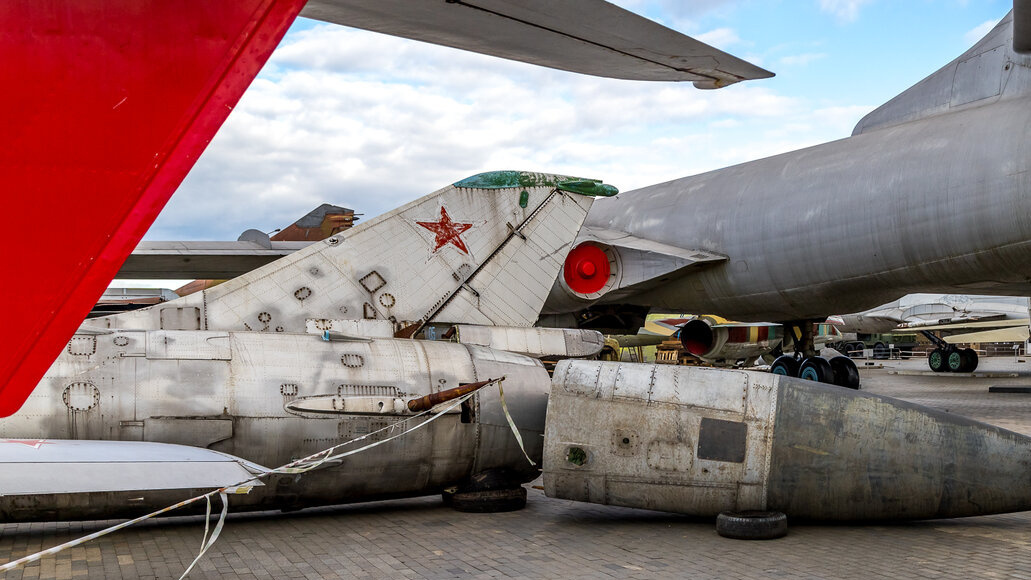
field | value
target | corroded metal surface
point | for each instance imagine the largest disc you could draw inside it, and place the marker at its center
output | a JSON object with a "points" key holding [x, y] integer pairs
{"points": [[258, 396], [700, 441]]}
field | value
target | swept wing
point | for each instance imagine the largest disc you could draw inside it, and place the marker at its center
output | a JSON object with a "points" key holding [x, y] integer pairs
{"points": [[586, 36]]}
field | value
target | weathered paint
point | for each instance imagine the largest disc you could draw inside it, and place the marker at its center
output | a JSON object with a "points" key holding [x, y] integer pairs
{"points": [[700, 441], [458, 255], [513, 179], [270, 398], [628, 434]]}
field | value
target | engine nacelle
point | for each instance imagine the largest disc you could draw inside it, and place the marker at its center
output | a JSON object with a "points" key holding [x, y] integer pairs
{"points": [[731, 342], [592, 269]]}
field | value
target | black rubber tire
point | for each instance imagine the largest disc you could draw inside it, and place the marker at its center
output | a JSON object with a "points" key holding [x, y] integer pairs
{"points": [[856, 350], [816, 368], [880, 351], [785, 365], [488, 502], [752, 525], [971, 360], [447, 496], [956, 361], [846, 374], [937, 360]]}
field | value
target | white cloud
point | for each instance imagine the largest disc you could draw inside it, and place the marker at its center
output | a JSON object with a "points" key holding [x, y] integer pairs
{"points": [[370, 122], [720, 38], [846, 10], [979, 31]]}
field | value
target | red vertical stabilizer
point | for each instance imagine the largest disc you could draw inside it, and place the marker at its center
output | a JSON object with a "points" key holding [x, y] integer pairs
{"points": [[105, 106]]}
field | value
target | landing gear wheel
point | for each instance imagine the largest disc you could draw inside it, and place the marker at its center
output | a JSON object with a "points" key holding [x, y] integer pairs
{"points": [[752, 525], [880, 351], [816, 368], [937, 360], [785, 365], [493, 501], [971, 360], [845, 372], [957, 361]]}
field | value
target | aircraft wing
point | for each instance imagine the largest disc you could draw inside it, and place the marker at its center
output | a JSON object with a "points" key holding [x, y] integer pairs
{"points": [[1010, 334], [971, 324], [585, 36], [217, 260], [28, 467]]}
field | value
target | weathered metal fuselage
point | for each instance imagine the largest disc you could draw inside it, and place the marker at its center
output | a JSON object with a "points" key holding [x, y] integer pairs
{"points": [[275, 397], [700, 441]]}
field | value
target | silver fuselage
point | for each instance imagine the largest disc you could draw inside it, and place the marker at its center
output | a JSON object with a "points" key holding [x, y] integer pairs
{"points": [[930, 194], [271, 398], [937, 204]]}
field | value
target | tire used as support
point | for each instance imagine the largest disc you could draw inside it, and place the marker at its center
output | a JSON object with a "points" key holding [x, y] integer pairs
{"points": [[752, 525], [492, 501]]}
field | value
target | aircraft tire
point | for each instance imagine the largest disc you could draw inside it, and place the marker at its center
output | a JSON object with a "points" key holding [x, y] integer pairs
{"points": [[856, 347], [846, 374], [785, 365], [936, 359], [752, 525], [956, 361], [880, 351], [488, 502], [816, 368], [971, 365]]}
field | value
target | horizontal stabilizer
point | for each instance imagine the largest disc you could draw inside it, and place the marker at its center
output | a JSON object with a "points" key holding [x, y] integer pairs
{"points": [[217, 260], [584, 36]]}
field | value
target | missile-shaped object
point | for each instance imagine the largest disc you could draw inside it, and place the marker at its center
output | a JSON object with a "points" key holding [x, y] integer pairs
{"points": [[702, 441], [433, 399]]}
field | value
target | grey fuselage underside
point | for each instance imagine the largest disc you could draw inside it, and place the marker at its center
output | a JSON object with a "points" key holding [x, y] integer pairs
{"points": [[937, 204]]}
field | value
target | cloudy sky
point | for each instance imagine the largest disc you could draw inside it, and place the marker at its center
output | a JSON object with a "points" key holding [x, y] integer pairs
{"points": [[369, 121]]}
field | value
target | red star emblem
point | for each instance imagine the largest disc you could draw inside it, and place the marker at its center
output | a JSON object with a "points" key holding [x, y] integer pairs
{"points": [[447, 231], [33, 443]]}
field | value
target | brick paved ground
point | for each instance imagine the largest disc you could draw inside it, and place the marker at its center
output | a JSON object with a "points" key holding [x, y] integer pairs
{"points": [[420, 538]]}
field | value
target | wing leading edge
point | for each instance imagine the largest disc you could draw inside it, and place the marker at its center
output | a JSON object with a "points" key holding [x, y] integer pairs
{"points": [[591, 37]]}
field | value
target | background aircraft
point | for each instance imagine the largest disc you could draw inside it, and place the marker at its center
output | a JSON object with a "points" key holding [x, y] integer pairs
{"points": [[932, 183], [956, 319]]}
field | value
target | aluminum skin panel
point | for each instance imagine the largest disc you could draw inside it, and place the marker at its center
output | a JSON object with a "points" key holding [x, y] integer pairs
{"points": [[636, 435]]}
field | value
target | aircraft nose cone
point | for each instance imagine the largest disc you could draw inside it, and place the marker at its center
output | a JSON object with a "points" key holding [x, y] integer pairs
{"points": [[586, 269]]}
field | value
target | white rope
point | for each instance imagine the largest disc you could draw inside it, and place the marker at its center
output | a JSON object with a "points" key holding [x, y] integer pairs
{"points": [[302, 465]]}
